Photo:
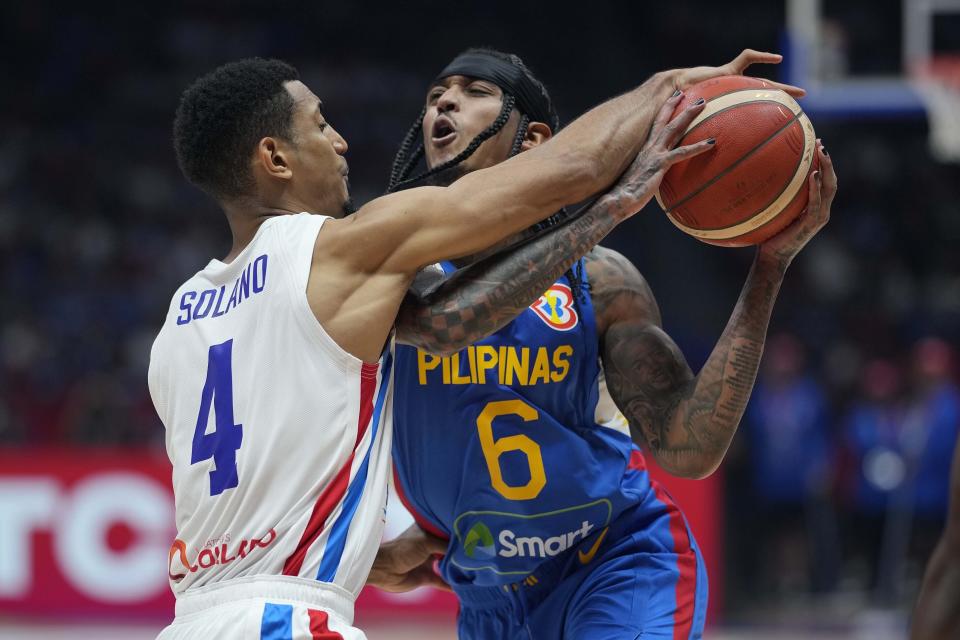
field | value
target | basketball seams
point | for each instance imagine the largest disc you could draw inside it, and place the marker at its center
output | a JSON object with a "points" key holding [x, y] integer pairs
{"points": [[726, 170], [718, 104], [757, 211], [696, 124]]}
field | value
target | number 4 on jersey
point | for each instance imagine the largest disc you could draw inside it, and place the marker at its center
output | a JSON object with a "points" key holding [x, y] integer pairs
{"points": [[222, 444]]}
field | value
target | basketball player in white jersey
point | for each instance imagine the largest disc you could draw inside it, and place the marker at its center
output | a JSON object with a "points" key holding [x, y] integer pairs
{"points": [[272, 372]]}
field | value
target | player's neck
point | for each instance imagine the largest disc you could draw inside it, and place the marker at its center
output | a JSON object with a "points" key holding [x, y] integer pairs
{"points": [[245, 217]]}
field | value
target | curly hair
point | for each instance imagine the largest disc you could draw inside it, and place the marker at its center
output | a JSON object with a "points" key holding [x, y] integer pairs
{"points": [[223, 115]]}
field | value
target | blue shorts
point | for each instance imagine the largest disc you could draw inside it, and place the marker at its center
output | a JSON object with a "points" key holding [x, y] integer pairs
{"points": [[643, 576]]}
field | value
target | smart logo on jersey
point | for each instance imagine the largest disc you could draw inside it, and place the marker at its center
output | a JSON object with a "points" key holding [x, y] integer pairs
{"points": [[479, 542], [555, 307]]}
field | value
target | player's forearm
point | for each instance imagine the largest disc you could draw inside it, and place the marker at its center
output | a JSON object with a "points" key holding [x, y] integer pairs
{"points": [[708, 415], [582, 160], [609, 136], [482, 298]]}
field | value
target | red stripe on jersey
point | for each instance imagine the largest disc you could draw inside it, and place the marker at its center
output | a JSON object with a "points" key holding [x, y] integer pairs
{"points": [[686, 589], [368, 384], [318, 626], [333, 494], [637, 461], [424, 524]]}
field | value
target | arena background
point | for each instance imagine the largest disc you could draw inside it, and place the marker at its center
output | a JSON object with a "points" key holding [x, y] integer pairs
{"points": [[833, 494]]}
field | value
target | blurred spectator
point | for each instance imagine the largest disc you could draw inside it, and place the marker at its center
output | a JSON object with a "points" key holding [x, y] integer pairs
{"points": [[873, 432], [933, 422], [788, 432], [933, 410]]}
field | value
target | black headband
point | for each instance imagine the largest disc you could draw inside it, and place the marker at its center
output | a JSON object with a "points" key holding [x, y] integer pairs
{"points": [[510, 78]]}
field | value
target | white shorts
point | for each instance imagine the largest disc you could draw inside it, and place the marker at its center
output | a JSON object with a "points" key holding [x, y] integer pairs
{"points": [[258, 608]]}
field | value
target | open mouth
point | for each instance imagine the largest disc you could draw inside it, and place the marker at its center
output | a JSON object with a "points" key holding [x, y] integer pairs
{"points": [[443, 132]]}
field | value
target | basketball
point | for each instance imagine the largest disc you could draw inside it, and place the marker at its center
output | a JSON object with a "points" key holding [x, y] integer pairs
{"points": [[754, 183]]}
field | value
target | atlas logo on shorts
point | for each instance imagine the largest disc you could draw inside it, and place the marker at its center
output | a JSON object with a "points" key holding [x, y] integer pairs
{"points": [[555, 308]]}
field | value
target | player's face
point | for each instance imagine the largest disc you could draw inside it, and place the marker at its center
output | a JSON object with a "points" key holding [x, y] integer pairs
{"points": [[317, 157], [459, 108]]}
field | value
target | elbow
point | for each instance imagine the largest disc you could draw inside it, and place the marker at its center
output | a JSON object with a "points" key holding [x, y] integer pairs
{"points": [[430, 345], [701, 470], [689, 466], [443, 350]]}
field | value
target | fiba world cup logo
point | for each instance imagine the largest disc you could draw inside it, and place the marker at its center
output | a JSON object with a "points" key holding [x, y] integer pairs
{"points": [[555, 307]]}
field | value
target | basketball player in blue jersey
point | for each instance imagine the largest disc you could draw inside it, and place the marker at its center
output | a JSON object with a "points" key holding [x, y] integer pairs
{"points": [[512, 454]]}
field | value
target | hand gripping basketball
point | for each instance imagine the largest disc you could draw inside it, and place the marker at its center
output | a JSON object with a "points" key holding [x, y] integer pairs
{"points": [[689, 77], [640, 181], [823, 187]]}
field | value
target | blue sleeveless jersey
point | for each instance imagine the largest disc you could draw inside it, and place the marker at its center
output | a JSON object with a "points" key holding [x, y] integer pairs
{"points": [[498, 447]]}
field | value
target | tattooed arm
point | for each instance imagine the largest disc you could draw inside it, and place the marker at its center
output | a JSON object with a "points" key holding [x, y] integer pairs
{"points": [[443, 317], [688, 421]]}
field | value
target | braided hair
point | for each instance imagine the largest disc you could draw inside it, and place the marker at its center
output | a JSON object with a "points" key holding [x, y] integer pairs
{"points": [[411, 151]]}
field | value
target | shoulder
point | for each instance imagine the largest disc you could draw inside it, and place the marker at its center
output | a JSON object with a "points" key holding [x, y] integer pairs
{"points": [[618, 290]]}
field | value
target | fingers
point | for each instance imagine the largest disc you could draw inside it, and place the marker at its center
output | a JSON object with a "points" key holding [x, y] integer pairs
{"points": [[666, 110], [435, 545], [424, 575], [829, 178], [796, 92], [690, 150], [678, 126], [748, 57], [813, 204]]}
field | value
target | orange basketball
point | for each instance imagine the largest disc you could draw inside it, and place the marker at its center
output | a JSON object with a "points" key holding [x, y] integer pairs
{"points": [[755, 182]]}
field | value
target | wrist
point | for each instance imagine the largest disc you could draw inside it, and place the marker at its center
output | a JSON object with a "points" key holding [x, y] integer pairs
{"points": [[614, 207], [666, 82], [772, 261]]}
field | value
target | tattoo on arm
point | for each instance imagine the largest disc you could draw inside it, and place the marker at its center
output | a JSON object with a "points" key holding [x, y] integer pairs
{"points": [[687, 422], [480, 299]]}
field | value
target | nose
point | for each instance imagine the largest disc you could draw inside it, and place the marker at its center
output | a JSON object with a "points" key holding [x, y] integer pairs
{"points": [[339, 144], [448, 100]]}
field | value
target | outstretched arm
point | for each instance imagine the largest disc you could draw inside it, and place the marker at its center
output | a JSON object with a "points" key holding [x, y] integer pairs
{"points": [[402, 232], [687, 421], [480, 299]]}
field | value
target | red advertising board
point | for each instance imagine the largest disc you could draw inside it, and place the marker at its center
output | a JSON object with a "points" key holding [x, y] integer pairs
{"points": [[85, 533]]}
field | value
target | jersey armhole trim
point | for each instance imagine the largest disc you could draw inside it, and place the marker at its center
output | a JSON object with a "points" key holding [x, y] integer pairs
{"points": [[304, 314]]}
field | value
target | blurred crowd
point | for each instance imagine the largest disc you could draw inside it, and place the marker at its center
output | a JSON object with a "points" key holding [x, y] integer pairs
{"points": [[841, 464]]}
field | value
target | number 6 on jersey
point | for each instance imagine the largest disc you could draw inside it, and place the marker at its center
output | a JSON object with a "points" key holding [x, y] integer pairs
{"points": [[493, 449], [222, 444]]}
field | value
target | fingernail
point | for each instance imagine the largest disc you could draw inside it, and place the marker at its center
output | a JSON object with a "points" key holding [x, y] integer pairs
{"points": [[675, 93], [711, 141], [699, 102]]}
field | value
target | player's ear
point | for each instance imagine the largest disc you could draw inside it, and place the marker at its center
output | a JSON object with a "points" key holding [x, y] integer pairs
{"points": [[272, 159], [537, 134]]}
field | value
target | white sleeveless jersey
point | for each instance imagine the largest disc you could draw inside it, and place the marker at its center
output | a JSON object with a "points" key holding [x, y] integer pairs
{"points": [[279, 439]]}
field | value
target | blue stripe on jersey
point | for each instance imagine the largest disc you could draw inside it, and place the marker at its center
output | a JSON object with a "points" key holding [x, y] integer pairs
{"points": [[277, 622], [338, 533]]}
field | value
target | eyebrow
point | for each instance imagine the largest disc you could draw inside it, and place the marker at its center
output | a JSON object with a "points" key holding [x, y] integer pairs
{"points": [[445, 82]]}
